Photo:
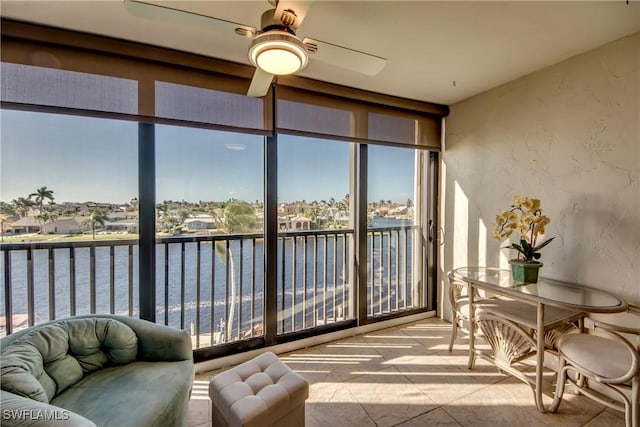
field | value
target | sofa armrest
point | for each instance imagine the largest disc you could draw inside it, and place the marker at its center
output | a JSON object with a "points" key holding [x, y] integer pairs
{"points": [[18, 411], [159, 342]]}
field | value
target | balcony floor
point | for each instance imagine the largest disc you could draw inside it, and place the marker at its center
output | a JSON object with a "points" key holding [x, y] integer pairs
{"points": [[405, 376]]}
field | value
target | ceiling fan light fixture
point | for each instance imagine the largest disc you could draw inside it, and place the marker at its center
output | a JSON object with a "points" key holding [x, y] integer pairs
{"points": [[278, 52]]}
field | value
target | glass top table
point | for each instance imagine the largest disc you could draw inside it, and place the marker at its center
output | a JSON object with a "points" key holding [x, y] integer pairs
{"points": [[540, 299], [551, 292]]}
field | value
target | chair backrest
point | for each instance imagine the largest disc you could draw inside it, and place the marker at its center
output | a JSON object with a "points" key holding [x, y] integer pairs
{"points": [[627, 336], [457, 289], [625, 324]]}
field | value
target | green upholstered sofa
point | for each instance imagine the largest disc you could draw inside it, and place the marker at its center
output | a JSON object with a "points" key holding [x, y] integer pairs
{"points": [[98, 370]]}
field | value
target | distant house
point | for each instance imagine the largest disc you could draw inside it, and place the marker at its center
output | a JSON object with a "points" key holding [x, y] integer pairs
{"points": [[28, 224], [283, 224], [399, 210], [65, 225], [201, 222], [300, 223], [342, 218], [126, 225], [122, 215]]}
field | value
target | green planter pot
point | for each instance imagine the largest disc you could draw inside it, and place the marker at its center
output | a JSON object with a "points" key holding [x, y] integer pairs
{"points": [[524, 272]]}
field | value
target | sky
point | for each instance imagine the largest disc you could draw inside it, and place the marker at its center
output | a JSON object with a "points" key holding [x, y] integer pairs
{"points": [[91, 159]]}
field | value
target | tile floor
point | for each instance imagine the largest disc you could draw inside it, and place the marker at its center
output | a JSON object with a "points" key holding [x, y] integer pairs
{"points": [[405, 376]]}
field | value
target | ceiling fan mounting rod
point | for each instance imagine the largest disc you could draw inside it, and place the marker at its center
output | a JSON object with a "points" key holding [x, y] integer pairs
{"points": [[277, 27], [286, 22]]}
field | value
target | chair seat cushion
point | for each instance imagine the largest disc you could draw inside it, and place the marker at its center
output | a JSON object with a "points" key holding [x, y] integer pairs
{"points": [[523, 313], [137, 394], [462, 305], [606, 358]]}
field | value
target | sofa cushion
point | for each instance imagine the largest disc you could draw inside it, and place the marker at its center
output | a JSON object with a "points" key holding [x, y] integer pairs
{"points": [[137, 394], [48, 360], [96, 343], [23, 374]]}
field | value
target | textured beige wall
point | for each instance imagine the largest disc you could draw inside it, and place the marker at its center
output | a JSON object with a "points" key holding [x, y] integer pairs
{"points": [[569, 135]]}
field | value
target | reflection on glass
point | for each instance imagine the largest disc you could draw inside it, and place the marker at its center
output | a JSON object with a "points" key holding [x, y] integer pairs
{"points": [[315, 244], [209, 221], [392, 284]]}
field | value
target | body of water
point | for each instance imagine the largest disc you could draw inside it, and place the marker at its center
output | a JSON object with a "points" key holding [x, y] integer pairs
{"points": [[194, 281]]}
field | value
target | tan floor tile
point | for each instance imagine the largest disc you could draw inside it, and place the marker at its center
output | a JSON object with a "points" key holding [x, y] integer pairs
{"points": [[336, 361], [487, 407], [441, 382], [575, 410], [388, 396], [607, 418], [435, 418], [484, 372], [334, 405], [434, 334]]}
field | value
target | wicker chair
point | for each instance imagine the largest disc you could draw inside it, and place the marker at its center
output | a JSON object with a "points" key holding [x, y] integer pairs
{"points": [[459, 300], [604, 354]]}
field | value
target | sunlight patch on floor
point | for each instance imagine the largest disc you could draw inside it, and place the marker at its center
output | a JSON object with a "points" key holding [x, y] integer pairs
{"points": [[200, 390], [399, 337], [424, 360], [409, 373], [371, 345]]}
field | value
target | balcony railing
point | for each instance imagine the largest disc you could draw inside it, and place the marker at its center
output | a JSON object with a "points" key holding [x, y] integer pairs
{"points": [[212, 286]]}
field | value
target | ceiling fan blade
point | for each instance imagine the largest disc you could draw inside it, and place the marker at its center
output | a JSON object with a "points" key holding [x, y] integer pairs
{"points": [[176, 16], [296, 11], [344, 57], [260, 83]]}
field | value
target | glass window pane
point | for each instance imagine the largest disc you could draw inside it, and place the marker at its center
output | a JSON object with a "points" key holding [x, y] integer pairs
{"points": [[316, 239], [209, 221], [393, 232], [70, 184]]}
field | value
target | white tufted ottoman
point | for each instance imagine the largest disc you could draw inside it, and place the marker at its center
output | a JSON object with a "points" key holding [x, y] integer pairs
{"points": [[257, 393]]}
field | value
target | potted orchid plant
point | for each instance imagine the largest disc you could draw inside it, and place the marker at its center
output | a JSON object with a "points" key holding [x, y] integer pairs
{"points": [[526, 220]]}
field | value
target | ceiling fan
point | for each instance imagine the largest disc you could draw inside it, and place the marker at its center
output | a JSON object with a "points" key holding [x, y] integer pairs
{"points": [[275, 49]]}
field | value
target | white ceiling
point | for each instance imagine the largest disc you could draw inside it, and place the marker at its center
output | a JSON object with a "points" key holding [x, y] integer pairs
{"points": [[437, 51]]}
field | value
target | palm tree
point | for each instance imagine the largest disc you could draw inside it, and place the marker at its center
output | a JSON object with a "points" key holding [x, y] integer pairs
{"points": [[133, 205], [312, 212], [45, 217], [238, 217], [96, 216], [344, 204], [333, 211], [40, 195], [22, 205], [7, 209]]}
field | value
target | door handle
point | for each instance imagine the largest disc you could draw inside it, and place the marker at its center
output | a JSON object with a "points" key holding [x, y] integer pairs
{"points": [[430, 234]]}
